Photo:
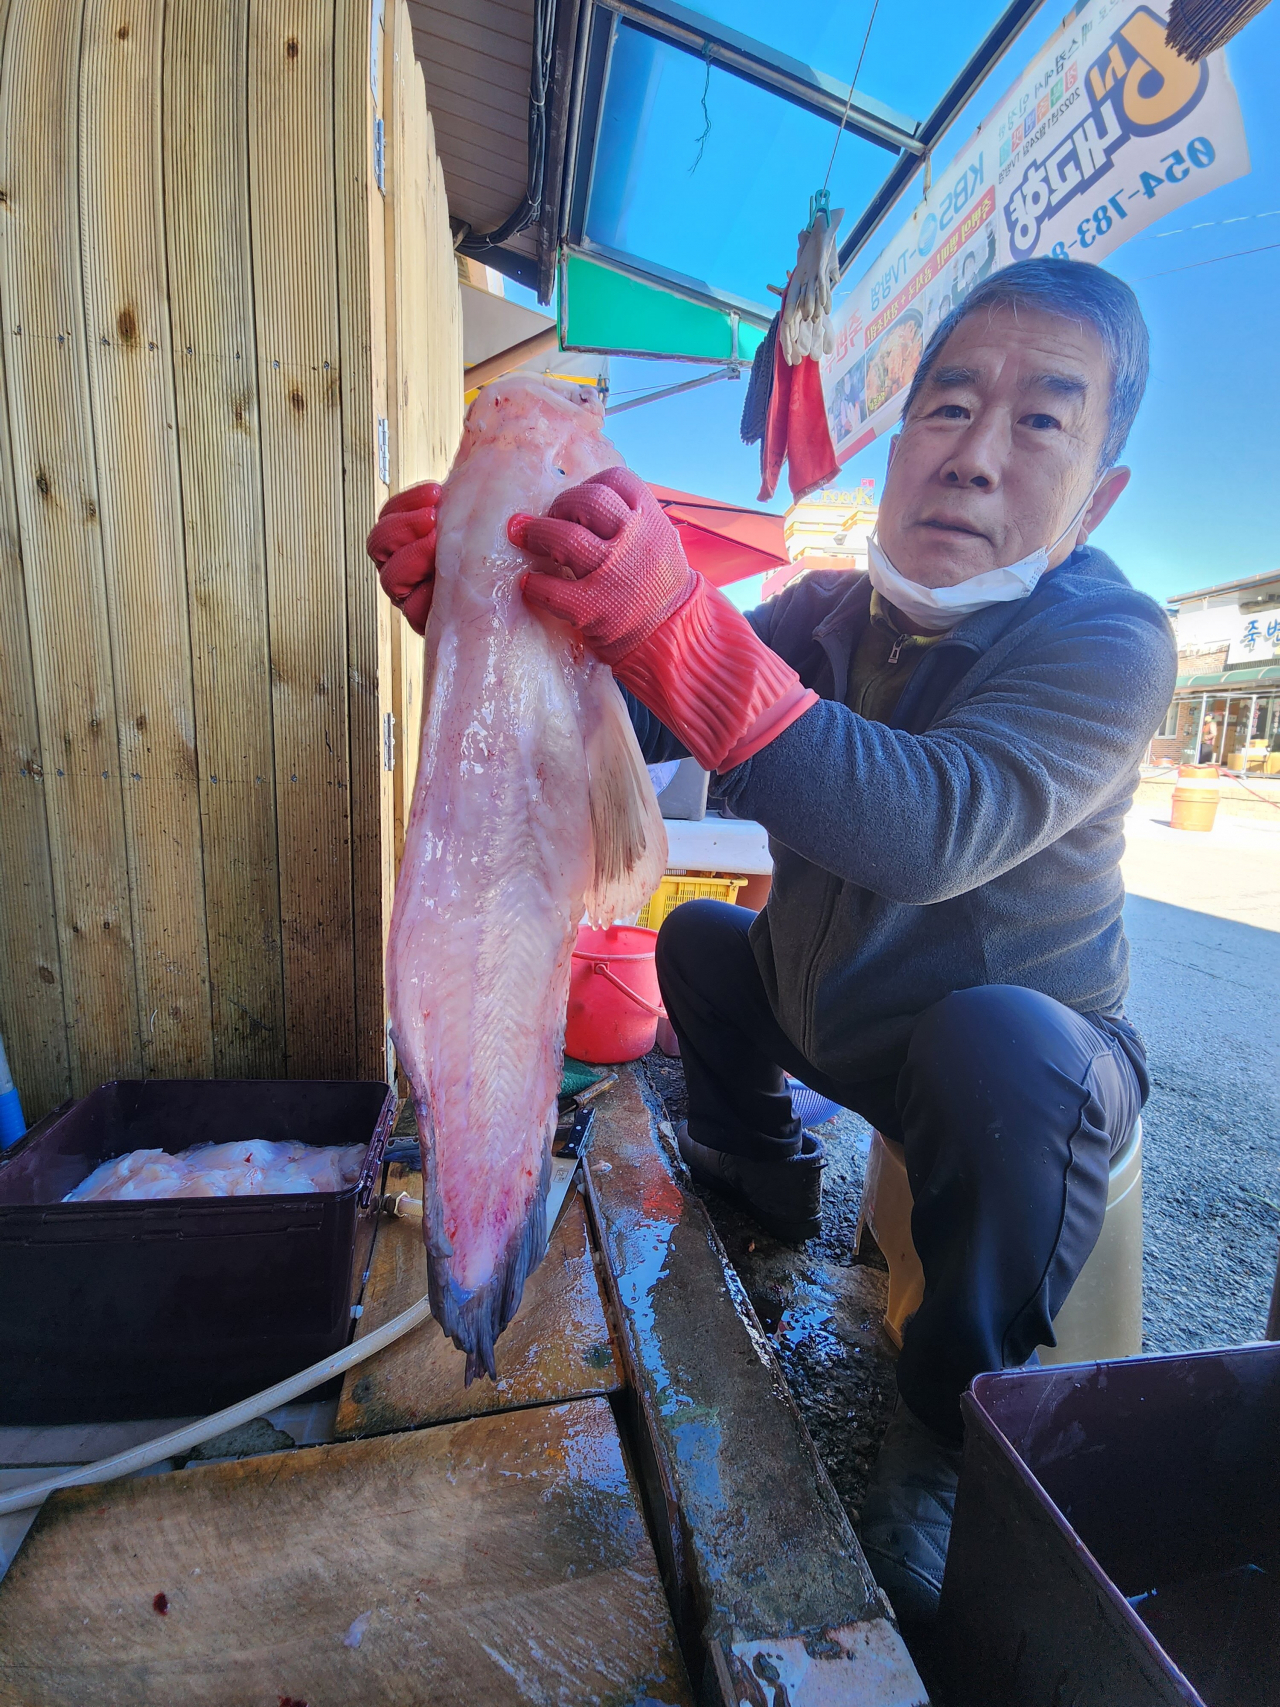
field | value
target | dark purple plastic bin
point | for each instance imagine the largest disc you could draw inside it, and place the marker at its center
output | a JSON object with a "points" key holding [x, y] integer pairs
{"points": [[172, 1308], [1083, 1489]]}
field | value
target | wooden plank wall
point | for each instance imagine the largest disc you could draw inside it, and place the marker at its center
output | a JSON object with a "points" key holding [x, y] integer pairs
{"points": [[132, 421], [198, 339], [205, 91], [292, 219], [362, 330], [425, 401], [33, 1019]]}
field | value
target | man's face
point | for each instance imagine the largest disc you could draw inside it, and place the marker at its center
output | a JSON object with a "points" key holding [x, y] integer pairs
{"points": [[1000, 448]]}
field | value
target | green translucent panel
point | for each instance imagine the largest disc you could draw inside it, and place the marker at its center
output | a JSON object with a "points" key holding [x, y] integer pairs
{"points": [[605, 310]]}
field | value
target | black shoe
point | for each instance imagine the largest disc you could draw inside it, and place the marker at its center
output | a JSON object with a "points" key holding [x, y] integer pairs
{"points": [[907, 1513], [784, 1197]]}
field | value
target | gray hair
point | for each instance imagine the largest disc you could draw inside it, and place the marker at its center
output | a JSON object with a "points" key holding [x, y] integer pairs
{"points": [[1077, 291]]}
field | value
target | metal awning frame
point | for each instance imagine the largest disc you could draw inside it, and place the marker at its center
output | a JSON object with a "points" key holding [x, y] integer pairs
{"points": [[585, 34], [756, 62], [1000, 38]]}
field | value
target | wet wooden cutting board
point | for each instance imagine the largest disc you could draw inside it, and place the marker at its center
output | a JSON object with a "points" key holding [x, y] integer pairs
{"points": [[557, 1347], [499, 1561]]}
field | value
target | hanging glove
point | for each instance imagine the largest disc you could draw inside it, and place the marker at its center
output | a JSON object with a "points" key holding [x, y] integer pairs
{"points": [[403, 545], [613, 567], [796, 429], [806, 307]]}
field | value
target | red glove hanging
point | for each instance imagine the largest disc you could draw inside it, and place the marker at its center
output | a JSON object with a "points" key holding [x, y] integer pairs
{"points": [[403, 545], [679, 645], [796, 431]]}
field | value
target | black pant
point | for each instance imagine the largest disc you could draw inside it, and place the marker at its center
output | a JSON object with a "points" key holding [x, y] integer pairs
{"points": [[1009, 1107]]}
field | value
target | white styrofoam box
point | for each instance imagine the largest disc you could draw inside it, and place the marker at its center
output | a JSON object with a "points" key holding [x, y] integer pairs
{"points": [[736, 845]]}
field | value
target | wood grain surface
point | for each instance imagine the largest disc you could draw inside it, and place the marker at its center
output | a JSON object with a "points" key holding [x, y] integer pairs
{"points": [[32, 1018], [131, 389], [498, 1561], [216, 388], [362, 333], [199, 342], [558, 1346], [424, 361], [291, 215], [66, 608]]}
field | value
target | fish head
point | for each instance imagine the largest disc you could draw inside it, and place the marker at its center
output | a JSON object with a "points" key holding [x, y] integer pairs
{"points": [[561, 422], [525, 439]]}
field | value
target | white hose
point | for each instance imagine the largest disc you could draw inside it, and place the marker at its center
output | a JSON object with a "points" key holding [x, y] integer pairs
{"points": [[196, 1433]]}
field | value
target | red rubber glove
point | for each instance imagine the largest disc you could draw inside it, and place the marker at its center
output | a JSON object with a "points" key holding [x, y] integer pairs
{"points": [[679, 645], [403, 545]]}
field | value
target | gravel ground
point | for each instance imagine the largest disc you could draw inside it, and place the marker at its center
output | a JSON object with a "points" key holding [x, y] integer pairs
{"points": [[1202, 917]]}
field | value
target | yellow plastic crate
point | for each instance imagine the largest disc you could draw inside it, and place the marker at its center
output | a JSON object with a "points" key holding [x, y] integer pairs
{"points": [[696, 886]]}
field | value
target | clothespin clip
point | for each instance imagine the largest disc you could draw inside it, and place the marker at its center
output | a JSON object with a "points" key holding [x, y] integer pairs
{"points": [[820, 202]]}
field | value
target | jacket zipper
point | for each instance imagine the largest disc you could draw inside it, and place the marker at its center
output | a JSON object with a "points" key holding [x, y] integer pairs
{"points": [[915, 687], [898, 644]]}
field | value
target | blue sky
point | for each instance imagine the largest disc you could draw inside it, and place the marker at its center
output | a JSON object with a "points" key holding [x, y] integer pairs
{"points": [[1205, 452]]}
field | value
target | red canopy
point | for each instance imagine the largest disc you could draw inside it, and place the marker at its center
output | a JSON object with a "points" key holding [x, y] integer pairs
{"points": [[725, 542]]}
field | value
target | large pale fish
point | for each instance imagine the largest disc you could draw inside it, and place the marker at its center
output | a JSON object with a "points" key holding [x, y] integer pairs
{"points": [[532, 810]]}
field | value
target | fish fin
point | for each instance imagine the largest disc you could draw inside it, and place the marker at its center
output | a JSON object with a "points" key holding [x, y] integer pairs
{"points": [[474, 1319], [628, 838]]}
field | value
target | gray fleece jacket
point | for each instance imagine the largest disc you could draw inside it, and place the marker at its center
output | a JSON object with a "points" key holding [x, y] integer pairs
{"points": [[976, 837]]}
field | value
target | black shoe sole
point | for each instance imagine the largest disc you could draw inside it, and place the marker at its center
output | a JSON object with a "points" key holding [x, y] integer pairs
{"points": [[787, 1232]]}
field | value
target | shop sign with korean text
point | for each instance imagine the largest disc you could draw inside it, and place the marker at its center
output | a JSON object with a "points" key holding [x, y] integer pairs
{"points": [[1257, 638], [1107, 130]]}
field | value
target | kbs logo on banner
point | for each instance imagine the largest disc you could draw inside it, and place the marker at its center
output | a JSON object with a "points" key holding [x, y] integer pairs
{"points": [[1138, 86], [945, 252]]}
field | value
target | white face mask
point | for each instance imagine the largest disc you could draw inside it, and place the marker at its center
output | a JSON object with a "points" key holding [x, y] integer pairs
{"points": [[940, 608]]}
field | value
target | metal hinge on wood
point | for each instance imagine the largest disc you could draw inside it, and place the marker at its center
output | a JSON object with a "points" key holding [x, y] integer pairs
{"points": [[380, 154], [384, 450], [389, 741]]}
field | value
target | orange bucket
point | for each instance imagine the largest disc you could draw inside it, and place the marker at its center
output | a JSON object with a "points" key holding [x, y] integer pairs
{"points": [[1195, 798], [614, 1004]]}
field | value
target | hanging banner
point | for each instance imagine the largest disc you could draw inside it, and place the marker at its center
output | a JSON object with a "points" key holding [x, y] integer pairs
{"points": [[1107, 130]]}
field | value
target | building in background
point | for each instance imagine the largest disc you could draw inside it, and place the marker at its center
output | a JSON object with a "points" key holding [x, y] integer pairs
{"points": [[1226, 706], [827, 530]]}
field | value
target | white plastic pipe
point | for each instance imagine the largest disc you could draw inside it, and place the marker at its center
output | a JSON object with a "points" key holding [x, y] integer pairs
{"points": [[196, 1433]]}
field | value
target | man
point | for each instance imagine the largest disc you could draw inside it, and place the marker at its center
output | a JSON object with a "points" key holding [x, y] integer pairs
{"points": [[943, 752]]}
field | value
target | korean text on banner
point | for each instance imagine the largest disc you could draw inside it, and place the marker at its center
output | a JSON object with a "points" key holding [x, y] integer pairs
{"points": [[1104, 132]]}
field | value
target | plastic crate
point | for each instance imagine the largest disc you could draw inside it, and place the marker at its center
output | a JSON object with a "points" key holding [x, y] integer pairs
{"points": [[672, 892], [1117, 1535], [177, 1306]]}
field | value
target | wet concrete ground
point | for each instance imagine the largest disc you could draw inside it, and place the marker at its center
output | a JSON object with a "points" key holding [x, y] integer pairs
{"points": [[820, 1306], [1203, 917]]}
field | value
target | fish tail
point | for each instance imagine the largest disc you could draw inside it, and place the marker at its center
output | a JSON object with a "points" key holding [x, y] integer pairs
{"points": [[474, 1319]]}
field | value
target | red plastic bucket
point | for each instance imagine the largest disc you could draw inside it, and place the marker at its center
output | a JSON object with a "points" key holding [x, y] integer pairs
{"points": [[614, 1005]]}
